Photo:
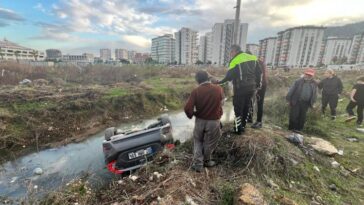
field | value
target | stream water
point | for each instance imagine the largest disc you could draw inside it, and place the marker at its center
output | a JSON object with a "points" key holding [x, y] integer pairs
{"points": [[61, 165]]}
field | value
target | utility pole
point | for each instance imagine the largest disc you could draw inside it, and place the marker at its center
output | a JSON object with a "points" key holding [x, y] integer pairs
{"points": [[237, 22]]}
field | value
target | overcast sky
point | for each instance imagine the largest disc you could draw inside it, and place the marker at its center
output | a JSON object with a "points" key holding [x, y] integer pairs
{"points": [[77, 26]]}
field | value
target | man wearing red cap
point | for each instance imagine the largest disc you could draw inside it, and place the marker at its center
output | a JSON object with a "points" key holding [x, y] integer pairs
{"points": [[301, 96]]}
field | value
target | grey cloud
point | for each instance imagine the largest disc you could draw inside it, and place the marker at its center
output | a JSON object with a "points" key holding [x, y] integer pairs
{"points": [[3, 24], [10, 15]]}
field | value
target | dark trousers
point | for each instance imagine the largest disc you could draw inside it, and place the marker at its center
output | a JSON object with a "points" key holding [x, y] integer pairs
{"points": [[330, 100], [359, 111], [242, 104], [297, 115], [260, 103]]}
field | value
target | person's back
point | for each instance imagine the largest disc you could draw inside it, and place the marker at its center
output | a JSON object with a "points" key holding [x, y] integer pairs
{"points": [[207, 100]]}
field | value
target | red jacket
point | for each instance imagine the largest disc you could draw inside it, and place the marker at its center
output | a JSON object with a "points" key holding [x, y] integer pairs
{"points": [[205, 102]]}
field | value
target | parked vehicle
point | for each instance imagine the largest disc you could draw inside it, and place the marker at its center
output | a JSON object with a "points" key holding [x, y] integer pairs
{"points": [[128, 150]]}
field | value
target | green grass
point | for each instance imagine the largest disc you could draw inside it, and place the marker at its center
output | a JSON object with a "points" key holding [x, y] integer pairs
{"points": [[115, 92], [32, 106]]}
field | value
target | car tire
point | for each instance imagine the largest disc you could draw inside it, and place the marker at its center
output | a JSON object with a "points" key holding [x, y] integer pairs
{"points": [[109, 132]]}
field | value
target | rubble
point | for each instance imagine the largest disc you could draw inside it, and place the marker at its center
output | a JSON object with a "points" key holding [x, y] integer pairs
{"points": [[249, 195], [322, 146]]}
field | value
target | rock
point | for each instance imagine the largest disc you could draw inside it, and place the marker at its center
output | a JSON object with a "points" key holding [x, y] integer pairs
{"points": [[360, 130], [13, 179], [190, 201], [322, 146], [352, 139], [294, 162], [121, 182], [296, 139], [272, 185], [133, 178], [25, 82], [158, 175], [38, 171], [316, 168], [249, 195], [335, 164], [333, 187], [340, 152]]}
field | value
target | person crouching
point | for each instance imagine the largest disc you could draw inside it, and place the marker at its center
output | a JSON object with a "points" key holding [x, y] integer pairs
{"points": [[205, 103], [301, 96]]}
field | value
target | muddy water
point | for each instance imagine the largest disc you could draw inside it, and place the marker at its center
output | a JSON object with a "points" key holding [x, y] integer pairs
{"points": [[61, 165]]}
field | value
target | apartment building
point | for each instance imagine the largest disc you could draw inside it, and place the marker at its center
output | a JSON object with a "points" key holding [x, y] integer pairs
{"points": [[299, 46], [186, 51], [105, 54], [121, 54], [267, 50], [53, 54], [337, 50], [13, 51], [205, 48], [163, 49], [356, 55]]}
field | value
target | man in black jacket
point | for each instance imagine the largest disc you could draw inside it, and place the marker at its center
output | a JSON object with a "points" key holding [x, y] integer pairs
{"points": [[246, 74], [301, 96], [331, 88]]}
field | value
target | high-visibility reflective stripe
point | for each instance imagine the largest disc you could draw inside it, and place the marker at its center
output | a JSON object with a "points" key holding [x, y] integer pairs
{"points": [[241, 58]]}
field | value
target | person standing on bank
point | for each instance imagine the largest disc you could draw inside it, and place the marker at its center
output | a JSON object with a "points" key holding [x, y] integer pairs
{"points": [[245, 73], [260, 96], [331, 89], [205, 103], [357, 99], [301, 96]]}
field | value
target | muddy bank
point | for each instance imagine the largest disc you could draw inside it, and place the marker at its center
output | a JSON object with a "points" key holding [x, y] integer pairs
{"points": [[36, 118]]}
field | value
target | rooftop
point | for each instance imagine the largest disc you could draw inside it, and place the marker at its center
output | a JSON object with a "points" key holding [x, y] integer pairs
{"points": [[8, 44]]}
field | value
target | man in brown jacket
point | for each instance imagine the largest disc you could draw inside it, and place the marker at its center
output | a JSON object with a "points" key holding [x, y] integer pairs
{"points": [[205, 103]]}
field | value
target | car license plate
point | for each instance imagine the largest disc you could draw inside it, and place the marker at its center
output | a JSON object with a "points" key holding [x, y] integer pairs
{"points": [[140, 153]]}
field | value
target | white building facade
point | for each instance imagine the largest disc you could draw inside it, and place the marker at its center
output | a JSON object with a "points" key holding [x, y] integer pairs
{"points": [[222, 40], [337, 50], [163, 49], [13, 51], [356, 55], [267, 50], [186, 51], [121, 54], [253, 48], [299, 47], [105, 54]]}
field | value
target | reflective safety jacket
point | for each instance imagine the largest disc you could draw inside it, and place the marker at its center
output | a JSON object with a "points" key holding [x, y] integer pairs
{"points": [[245, 72]]}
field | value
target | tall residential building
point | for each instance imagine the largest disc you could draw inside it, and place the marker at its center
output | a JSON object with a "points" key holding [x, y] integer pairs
{"points": [[357, 50], [217, 42], [186, 46], [205, 48], [13, 51], [222, 38], [253, 48], [267, 50], [53, 54], [105, 54], [163, 48], [299, 46], [121, 54], [131, 55], [337, 50]]}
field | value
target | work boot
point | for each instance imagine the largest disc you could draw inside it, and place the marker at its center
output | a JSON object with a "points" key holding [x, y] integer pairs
{"points": [[210, 163], [197, 168], [257, 125]]}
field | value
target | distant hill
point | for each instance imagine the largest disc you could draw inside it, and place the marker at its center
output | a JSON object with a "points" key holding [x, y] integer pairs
{"points": [[348, 30]]}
